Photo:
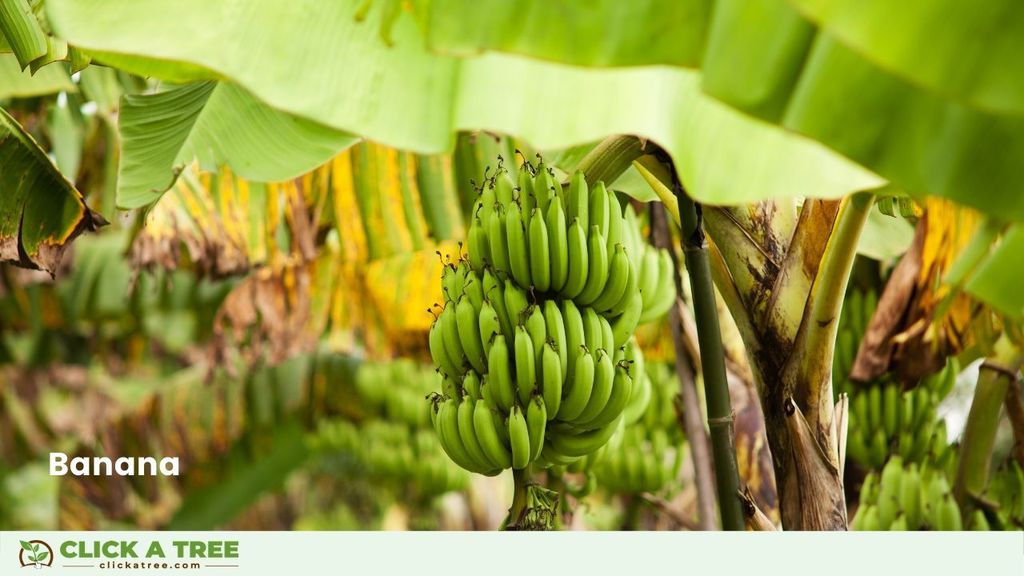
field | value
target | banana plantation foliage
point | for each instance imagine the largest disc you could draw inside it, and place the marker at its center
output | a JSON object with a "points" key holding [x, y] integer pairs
{"points": [[518, 265]]}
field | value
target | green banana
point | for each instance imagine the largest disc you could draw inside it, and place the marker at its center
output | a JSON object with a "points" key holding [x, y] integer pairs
{"points": [[494, 291], [601, 391], [536, 327], [477, 245], [664, 295], [516, 303], [489, 325], [497, 244], [439, 352], [647, 281], [518, 252], [487, 434], [558, 245], [499, 370], [597, 275], [504, 187], [555, 331], [540, 252], [467, 435], [618, 278], [471, 385], [581, 384], [543, 186], [526, 370], [447, 420], [622, 388], [526, 196], [536, 422], [575, 335], [624, 326], [890, 409], [468, 327], [453, 346], [600, 211], [579, 260], [910, 497], [639, 398], [592, 330], [551, 379], [578, 201], [615, 234], [473, 289], [585, 442], [519, 436]]}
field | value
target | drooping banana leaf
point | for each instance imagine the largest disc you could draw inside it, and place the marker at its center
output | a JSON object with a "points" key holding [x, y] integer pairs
{"points": [[407, 97], [965, 51], [217, 123], [15, 83], [25, 31], [763, 58], [596, 33], [40, 211]]}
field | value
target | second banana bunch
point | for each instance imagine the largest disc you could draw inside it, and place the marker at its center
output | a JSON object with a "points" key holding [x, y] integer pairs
{"points": [[534, 341]]}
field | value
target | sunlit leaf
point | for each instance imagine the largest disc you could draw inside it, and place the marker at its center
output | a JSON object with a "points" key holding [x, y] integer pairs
{"points": [[217, 124], [997, 279], [15, 83], [405, 97], [967, 51], [24, 34], [596, 33], [922, 142]]}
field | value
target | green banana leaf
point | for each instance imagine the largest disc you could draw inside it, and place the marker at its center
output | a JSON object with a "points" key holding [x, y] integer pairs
{"points": [[217, 123], [595, 33], [996, 281], [40, 211], [25, 32], [15, 83], [966, 51], [409, 98], [24, 35]]}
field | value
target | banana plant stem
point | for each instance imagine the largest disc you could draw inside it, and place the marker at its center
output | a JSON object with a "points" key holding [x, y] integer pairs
{"points": [[689, 408], [520, 479], [709, 335], [994, 379]]}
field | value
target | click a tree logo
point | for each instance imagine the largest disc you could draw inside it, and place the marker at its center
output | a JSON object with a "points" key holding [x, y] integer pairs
{"points": [[35, 553]]}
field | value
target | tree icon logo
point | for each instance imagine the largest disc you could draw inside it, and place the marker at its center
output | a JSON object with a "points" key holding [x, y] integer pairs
{"points": [[35, 553]]}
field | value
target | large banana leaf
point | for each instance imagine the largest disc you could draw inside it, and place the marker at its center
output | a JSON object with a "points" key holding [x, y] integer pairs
{"points": [[218, 123], [967, 51], [411, 99], [24, 35], [921, 141], [40, 211], [15, 83], [595, 33]]}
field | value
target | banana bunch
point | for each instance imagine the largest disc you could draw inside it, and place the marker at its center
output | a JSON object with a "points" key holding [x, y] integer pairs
{"points": [[907, 497], [646, 456], [656, 284], [1006, 489], [885, 420], [392, 452], [534, 338], [394, 390], [641, 460], [858, 308]]}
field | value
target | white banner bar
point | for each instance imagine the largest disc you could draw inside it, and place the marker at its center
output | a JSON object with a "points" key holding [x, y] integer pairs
{"points": [[500, 553]]}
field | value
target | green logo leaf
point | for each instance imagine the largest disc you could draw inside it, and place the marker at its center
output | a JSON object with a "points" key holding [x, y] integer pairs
{"points": [[27, 546], [41, 556]]}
